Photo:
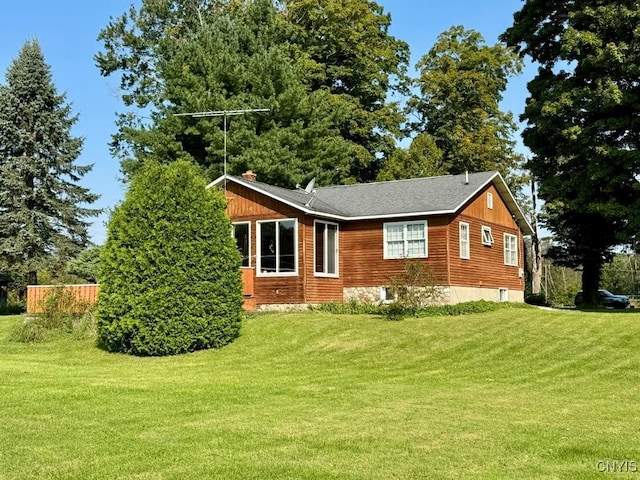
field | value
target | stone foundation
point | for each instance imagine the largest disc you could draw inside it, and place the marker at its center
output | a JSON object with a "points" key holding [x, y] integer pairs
{"points": [[366, 295], [283, 307]]}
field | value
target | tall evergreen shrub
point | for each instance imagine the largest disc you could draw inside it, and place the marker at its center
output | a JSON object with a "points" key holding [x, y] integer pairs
{"points": [[170, 278]]}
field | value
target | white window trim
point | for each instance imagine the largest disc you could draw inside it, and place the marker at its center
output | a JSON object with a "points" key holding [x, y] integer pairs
{"points": [[466, 255], [515, 251], [503, 294], [337, 250], [490, 200], [259, 272], [386, 225], [386, 297], [232, 234], [487, 230]]}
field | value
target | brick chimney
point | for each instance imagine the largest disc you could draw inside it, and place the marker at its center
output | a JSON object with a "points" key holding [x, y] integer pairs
{"points": [[250, 176]]}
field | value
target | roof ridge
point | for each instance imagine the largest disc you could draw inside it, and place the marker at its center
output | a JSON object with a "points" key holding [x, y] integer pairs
{"points": [[415, 179]]}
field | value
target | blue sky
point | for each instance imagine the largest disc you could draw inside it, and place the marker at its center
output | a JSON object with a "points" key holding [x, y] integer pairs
{"points": [[67, 32]]}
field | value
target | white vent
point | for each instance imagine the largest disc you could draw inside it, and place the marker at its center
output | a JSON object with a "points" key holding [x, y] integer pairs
{"points": [[520, 272]]}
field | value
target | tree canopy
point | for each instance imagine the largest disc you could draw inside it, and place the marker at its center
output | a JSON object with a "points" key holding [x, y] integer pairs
{"points": [[583, 124], [87, 264], [456, 103], [422, 158], [43, 208], [326, 90]]}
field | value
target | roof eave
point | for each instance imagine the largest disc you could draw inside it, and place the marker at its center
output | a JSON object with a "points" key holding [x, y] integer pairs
{"points": [[512, 204], [496, 179]]}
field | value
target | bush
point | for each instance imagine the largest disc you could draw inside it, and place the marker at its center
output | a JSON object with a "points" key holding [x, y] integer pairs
{"points": [[466, 308], [537, 300], [415, 288], [12, 309], [62, 314], [170, 271], [395, 311], [352, 307]]}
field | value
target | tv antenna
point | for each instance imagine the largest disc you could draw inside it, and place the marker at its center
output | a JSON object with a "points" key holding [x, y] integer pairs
{"points": [[224, 114]]}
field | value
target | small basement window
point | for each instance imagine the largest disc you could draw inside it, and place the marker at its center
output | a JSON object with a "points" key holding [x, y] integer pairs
{"points": [[503, 295], [387, 295]]}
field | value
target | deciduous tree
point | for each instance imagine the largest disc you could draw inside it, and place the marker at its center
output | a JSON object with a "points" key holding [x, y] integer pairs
{"points": [[459, 88], [583, 119], [87, 264], [353, 56], [421, 159]]}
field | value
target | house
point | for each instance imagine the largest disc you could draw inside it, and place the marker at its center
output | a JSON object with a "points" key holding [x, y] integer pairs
{"points": [[333, 244]]}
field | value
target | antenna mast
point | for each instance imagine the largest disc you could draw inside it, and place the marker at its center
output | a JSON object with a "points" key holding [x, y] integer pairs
{"points": [[224, 114]]}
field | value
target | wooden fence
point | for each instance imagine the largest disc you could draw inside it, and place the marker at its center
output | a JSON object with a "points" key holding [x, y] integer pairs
{"points": [[37, 294], [88, 294]]}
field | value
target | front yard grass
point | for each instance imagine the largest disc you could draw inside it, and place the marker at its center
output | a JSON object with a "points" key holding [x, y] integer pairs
{"points": [[512, 394]]}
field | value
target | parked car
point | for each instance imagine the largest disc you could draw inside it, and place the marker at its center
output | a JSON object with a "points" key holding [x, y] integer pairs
{"points": [[606, 299]]}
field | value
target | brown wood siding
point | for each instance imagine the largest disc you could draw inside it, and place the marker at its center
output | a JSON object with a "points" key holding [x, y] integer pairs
{"points": [[363, 252], [321, 289], [485, 267], [244, 205]]}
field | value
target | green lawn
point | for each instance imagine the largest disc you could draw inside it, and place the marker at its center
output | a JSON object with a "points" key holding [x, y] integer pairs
{"points": [[511, 394]]}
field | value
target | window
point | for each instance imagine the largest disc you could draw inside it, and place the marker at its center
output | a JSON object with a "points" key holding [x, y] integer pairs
{"points": [[489, 200], [510, 249], [503, 295], [326, 249], [487, 237], [464, 240], [405, 240], [277, 247], [387, 295], [242, 234]]}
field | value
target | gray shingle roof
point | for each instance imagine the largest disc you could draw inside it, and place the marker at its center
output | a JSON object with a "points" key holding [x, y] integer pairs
{"points": [[417, 196], [423, 195]]}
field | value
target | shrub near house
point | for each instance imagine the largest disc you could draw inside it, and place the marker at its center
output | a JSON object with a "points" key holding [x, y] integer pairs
{"points": [[170, 279]]}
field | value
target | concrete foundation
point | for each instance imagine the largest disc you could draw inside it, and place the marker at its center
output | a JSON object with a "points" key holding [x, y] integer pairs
{"points": [[448, 295]]}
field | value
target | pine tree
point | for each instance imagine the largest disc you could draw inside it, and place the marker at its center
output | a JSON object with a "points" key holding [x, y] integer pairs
{"points": [[323, 69], [42, 206]]}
